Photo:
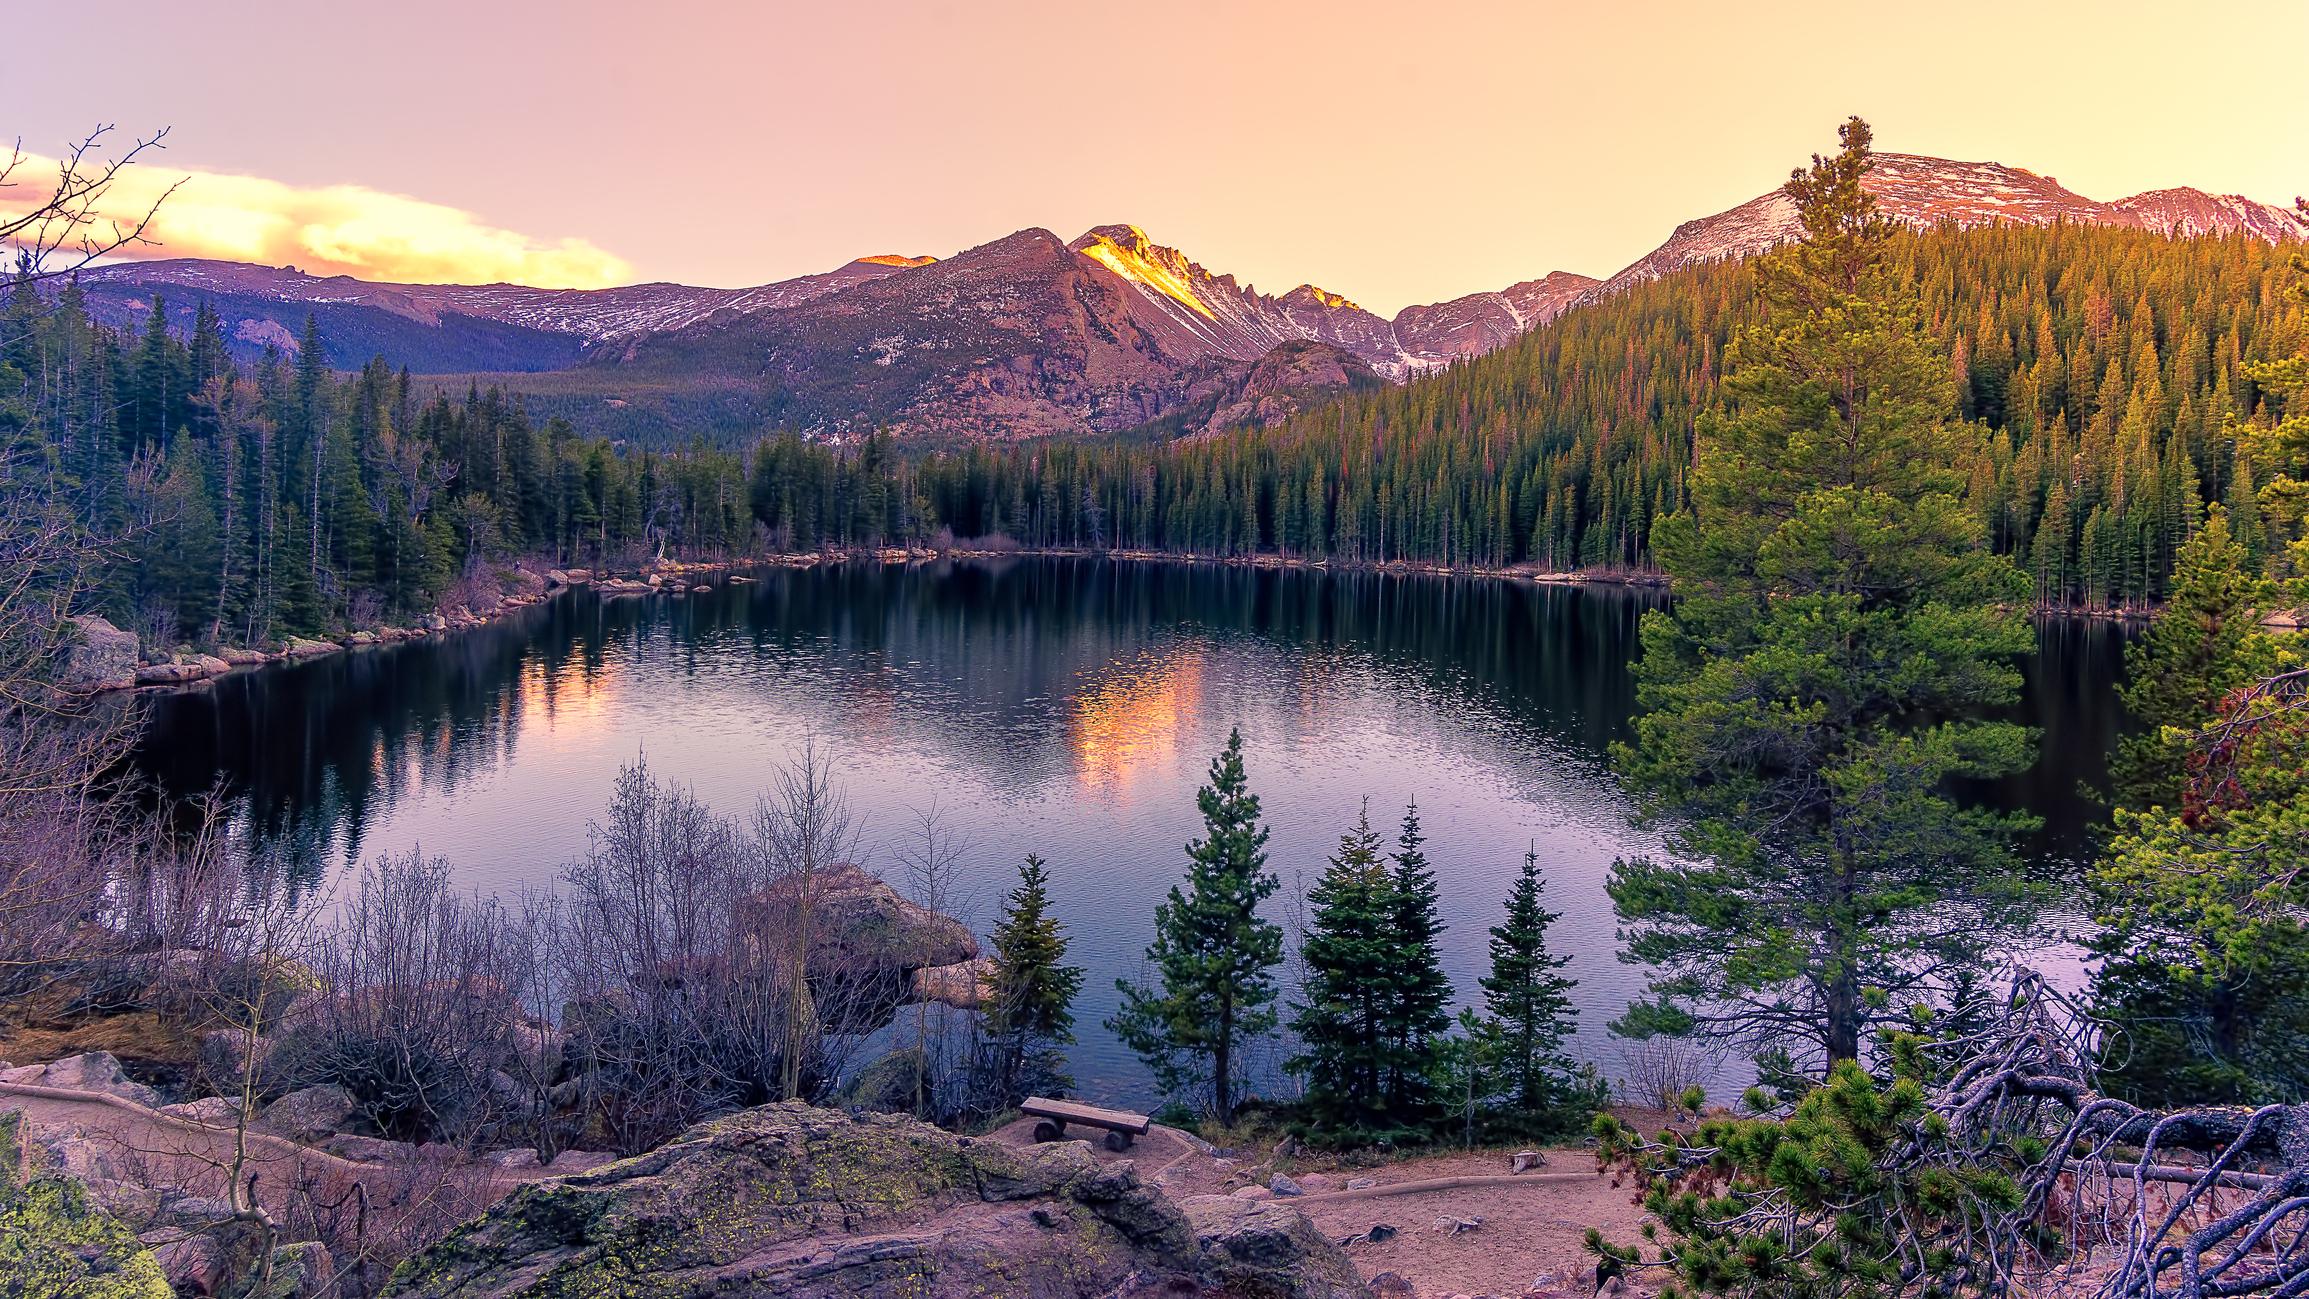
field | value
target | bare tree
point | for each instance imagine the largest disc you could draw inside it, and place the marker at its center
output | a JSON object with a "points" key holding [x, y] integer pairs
{"points": [[931, 857], [805, 824], [67, 222], [417, 1014]]}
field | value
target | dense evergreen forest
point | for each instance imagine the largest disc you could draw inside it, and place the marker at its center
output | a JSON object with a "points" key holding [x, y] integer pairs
{"points": [[2109, 367]]}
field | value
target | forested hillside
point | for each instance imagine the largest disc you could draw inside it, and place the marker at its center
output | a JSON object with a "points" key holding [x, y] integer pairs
{"points": [[278, 497]]}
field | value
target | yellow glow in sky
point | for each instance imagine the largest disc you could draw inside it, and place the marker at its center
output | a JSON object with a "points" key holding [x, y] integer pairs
{"points": [[1395, 153]]}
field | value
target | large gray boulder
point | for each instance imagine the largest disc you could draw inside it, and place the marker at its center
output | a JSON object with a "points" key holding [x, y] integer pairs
{"points": [[309, 1114], [98, 656], [97, 1071], [808, 1203]]}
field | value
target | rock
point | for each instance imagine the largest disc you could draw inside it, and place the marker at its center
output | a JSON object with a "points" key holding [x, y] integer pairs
{"points": [[304, 1271], [1281, 1184], [1526, 1160], [808, 1203], [1358, 1183], [863, 924], [299, 647], [961, 985], [216, 1111], [168, 674], [556, 577], [580, 576], [311, 1114], [886, 1084], [517, 1160], [368, 1150], [1312, 1182], [96, 1071], [99, 656], [579, 1161], [1393, 1285], [360, 638], [56, 1241], [1252, 1193], [437, 622], [1260, 1248], [194, 1265], [241, 658]]}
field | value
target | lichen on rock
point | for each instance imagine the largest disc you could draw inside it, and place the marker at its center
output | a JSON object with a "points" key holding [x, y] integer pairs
{"points": [[56, 1244], [810, 1203]]}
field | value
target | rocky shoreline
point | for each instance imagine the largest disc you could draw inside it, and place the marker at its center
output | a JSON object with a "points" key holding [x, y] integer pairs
{"points": [[107, 659]]}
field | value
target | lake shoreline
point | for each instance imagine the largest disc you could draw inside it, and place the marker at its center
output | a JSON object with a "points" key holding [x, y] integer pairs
{"points": [[678, 578]]}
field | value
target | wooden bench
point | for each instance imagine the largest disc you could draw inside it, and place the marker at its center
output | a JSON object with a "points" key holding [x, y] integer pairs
{"points": [[1121, 1125]]}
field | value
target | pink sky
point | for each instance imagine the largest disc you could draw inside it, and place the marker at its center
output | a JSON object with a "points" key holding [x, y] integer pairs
{"points": [[1392, 153]]}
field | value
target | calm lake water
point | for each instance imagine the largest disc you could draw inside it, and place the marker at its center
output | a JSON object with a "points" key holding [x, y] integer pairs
{"points": [[1063, 707]]}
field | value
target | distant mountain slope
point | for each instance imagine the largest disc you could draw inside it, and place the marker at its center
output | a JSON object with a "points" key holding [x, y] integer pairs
{"points": [[1927, 191], [1023, 336], [435, 328]]}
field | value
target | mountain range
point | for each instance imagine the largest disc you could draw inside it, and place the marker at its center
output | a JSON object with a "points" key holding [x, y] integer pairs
{"points": [[1026, 335]]}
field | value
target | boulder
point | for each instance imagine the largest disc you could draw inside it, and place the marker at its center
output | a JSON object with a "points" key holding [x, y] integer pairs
{"points": [[863, 924], [96, 1071], [299, 647], [310, 1114], [98, 656], [194, 1265], [56, 1240], [961, 985], [1257, 1247], [807, 1203], [368, 1150], [305, 1270], [216, 1111], [1393, 1285], [1281, 1184], [579, 1161]]}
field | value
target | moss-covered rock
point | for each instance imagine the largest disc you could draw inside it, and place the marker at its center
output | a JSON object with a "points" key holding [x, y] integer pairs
{"points": [[816, 1204], [55, 1244]]}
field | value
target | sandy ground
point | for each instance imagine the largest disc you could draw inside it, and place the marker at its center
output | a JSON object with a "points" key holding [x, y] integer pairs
{"points": [[1532, 1224]]}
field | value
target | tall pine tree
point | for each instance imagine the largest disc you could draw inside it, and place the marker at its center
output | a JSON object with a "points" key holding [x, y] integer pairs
{"points": [[1213, 956], [1840, 630]]}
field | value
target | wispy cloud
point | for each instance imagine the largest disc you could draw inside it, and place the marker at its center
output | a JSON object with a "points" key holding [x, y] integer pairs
{"points": [[331, 229]]}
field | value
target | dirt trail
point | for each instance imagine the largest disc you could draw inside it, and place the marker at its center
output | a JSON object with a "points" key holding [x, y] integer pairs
{"points": [[157, 1149], [1533, 1223]]}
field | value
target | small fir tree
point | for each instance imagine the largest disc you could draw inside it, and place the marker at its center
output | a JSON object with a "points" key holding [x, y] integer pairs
{"points": [[1418, 1009], [1213, 956], [1350, 955], [1527, 1002], [1030, 992]]}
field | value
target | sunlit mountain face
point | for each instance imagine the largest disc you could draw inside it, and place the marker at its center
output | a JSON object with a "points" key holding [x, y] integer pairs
{"points": [[1024, 336]]}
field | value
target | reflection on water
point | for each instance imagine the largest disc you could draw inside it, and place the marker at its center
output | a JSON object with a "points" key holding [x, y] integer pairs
{"points": [[1067, 708]]}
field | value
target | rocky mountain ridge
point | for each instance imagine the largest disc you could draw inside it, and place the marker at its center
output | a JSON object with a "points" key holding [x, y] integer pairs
{"points": [[1924, 192], [1024, 336]]}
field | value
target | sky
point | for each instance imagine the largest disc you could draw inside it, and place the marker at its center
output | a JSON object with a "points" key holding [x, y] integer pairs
{"points": [[1393, 153]]}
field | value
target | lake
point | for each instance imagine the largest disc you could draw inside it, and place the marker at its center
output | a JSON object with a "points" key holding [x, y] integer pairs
{"points": [[1066, 707]]}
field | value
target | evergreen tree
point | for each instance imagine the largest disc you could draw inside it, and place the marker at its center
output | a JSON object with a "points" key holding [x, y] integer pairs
{"points": [[1213, 956], [1840, 627], [1528, 1013], [2205, 642], [1030, 993], [1418, 1009], [1343, 1017]]}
